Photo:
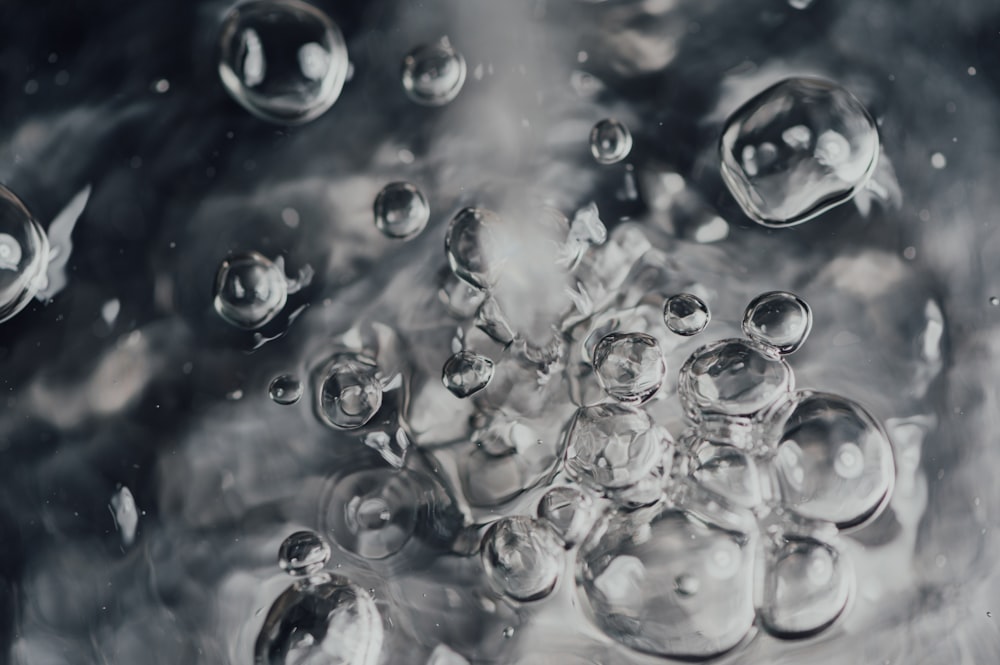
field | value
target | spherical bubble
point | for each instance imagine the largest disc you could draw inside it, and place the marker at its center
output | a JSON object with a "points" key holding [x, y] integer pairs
{"points": [[24, 255], [665, 583], [796, 150], [778, 319], [806, 587], [733, 377], [685, 314], [349, 392], [468, 244], [610, 141], [285, 62], [727, 472], [833, 460], [629, 366], [568, 512], [285, 389], [401, 211], [521, 558], [373, 513], [322, 619], [250, 290], [303, 553], [466, 373], [433, 74]]}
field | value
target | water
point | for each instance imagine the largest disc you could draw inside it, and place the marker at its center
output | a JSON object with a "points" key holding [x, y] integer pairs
{"points": [[779, 320], [433, 74], [349, 392], [24, 255], [303, 554], [610, 141], [466, 373], [686, 314], [569, 513], [629, 366], [521, 558], [401, 211], [373, 513], [285, 389], [250, 290]]}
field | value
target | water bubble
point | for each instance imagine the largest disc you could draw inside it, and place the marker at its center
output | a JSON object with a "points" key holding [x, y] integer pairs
{"points": [[321, 619], [466, 373], [833, 460], [732, 377], [401, 211], [285, 389], [468, 244], [461, 299], [994, 301], [610, 141], [285, 62], [521, 558], [303, 553], [250, 290], [568, 512], [629, 366], [779, 320], [24, 255], [806, 588], [796, 150], [433, 74], [685, 314], [727, 472], [373, 513], [125, 514], [350, 393]]}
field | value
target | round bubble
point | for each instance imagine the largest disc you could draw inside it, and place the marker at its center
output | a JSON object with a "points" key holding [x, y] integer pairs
{"points": [[303, 553], [322, 619], [610, 141], [349, 393], [521, 558], [685, 314], [24, 255], [806, 587], [469, 244], [728, 472], [373, 513], [568, 512], [250, 290], [779, 320], [285, 389], [433, 74], [284, 61], [466, 373], [401, 211], [629, 366]]}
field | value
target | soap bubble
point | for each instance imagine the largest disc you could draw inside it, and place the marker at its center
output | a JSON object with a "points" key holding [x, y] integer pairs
{"points": [[521, 558], [796, 150], [349, 392], [303, 553], [24, 255], [806, 587], [568, 512], [401, 211], [373, 513], [685, 314], [779, 320], [466, 373], [285, 62], [285, 389], [610, 141], [629, 366], [250, 290], [433, 74], [468, 244]]}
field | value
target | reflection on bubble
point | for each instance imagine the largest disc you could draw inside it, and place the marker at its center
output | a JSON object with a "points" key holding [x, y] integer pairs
{"points": [[24, 255], [806, 588], [466, 373], [401, 211], [373, 513], [303, 553], [250, 290], [610, 141], [349, 393], [568, 511], [285, 389], [629, 366], [685, 314], [779, 320], [521, 558], [433, 74], [468, 245]]}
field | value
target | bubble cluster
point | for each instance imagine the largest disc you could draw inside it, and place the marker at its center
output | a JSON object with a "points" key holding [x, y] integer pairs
{"points": [[629, 366], [685, 314], [521, 558], [250, 290], [610, 141], [349, 393], [433, 74], [303, 553], [401, 211], [779, 320], [285, 389], [24, 255]]}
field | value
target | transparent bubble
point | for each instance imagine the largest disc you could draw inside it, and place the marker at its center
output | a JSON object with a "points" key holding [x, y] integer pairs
{"points": [[685, 314], [468, 244], [733, 377], [833, 460], [401, 211], [250, 290], [322, 619], [610, 141], [466, 373], [285, 62], [778, 319], [303, 553], [568, 511], [433, 74], [521, 558], [727, 472], [285, 389], [24, 255], [796, 150], [461, 299], [665, 583], [800, 4], [349, 392], [629, 366], [373, 513], [806, 587]]}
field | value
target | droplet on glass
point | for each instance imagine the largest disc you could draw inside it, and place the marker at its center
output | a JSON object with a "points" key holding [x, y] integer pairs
{"points": [[685, 314], [521, 558], [303, 553], [285, 389], [799, 148], [373, 513], [779, 320], [433, 74], [568, 512], [806, 587], [468, 244], [285, 62], [24, 255], [629, 366], [466, 373], [250, 290], [610, 141], [401, 211], [349, 393]]}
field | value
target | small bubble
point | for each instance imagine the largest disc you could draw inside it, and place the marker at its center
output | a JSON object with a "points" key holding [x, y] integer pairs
{"points": [[373, 513], [466, 373], [125, 514], [401, 211], [568, 512], [779, 320], [995, 301], [405, 156], [303, 553], [521, 558], [610, 141], [469, 245], [971, 71], [349, 393], [805, 588], [938, 160], [685, 314], [629, 366], [508, 632], [910, 253], [285, 389], [250, 290], [433, 74], [161, 86], [290, 216]]}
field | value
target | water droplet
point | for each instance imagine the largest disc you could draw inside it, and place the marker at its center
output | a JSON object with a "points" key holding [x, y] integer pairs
{"points": [[995, 301], [373, 513], [629, 366], [796, 150], [610, 141], [779, 320], [805, 588], [303, 553], [285, 62], [349, 393], [401, 211], [833, 460], [686, 314], [321, 619], [521, 558], [250, 290], [125, 513], [466, 373], [938, 160], [727, 472], [24, 255], [285, 389], [568, 512], [433, 74], [468, 244]]}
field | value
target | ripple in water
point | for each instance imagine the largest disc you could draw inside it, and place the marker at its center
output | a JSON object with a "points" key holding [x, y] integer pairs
{"points": [[373, 513], [24, 255], [433, 74]]}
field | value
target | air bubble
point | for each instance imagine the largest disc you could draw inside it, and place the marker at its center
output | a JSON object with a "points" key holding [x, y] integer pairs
{"points": [[401, 211], [285, 389], [24, 255], [568, 512], [303, 553], [469, 246], [373, 513], [685, 314], [521, 558], [779, 320], [610, 141], [349, 393], [629, 366], [466, 373], [806, 587], [728, 472], [250, 290], [433, 74]]}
